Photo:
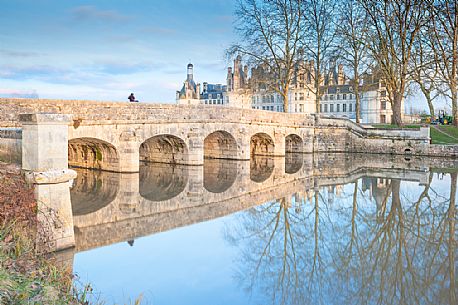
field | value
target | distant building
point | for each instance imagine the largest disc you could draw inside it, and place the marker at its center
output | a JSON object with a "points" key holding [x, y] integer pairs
{"points": [[247, 90], [191, 94]]}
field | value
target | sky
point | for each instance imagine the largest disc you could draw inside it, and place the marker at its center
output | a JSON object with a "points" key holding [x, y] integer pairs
{"points": [[104, 50]]}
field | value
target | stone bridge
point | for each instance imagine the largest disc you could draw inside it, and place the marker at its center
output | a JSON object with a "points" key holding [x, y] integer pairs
{"points": [[164, 197], [117, 136]]}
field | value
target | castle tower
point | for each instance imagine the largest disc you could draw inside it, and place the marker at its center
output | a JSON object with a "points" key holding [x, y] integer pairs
{"points": [[237, 74], [229, 80], [190, 72], [341, 75]]}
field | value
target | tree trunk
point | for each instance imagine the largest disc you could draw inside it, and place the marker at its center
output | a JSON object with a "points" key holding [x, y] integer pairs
{"points": [[397, 109], [285, 99], [454, 106], [430, 103], [358, 104]]}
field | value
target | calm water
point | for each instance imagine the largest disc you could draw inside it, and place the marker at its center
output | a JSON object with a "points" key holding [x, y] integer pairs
{"points": [[322, 229]]}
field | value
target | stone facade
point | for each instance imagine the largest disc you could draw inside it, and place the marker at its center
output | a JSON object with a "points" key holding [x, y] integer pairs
{"points": [[246, 90]]}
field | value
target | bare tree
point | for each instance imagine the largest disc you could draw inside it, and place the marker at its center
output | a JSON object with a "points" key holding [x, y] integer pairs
{"points": [[319, 37], [351, 30], [393, 30], [444, 25], [425, 68], [270, 35]]}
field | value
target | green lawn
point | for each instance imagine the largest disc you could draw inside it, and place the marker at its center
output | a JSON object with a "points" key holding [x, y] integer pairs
{"points": [[440, 138], [449, 129]]}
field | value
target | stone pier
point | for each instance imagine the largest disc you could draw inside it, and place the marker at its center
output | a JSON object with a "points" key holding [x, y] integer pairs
{"points": [[45, 164]]}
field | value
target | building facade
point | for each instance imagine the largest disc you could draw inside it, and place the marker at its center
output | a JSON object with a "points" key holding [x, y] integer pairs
{"points": [[247, 90]]}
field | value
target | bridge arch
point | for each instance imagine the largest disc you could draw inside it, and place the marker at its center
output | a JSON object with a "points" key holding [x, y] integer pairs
{"points": [[294, 144], [93, 153], [220, 145], [261, 144], [164, 148]]}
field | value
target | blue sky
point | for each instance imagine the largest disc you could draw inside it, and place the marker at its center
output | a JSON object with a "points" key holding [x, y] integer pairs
{"points": [[106, 49], [103, 50]]}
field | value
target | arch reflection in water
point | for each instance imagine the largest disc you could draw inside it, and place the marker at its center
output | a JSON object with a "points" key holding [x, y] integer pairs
{"points": [[93, 190], [261, 168], [161, 181], [219, 175], [293, 162]]}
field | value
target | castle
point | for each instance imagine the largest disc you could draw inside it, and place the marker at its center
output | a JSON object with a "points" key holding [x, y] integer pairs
{"points": [[245, 89]]}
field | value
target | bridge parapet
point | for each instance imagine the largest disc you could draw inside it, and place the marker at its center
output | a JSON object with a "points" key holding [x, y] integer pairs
{"points": [[94, 113]]}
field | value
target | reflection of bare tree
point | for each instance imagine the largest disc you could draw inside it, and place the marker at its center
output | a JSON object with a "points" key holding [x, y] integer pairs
{"points": [[353, 252], [451, 242]]}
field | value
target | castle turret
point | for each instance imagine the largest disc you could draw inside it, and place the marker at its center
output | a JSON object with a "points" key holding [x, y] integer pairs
{"points": [[190, 72], [341, 75], [229, 79]]}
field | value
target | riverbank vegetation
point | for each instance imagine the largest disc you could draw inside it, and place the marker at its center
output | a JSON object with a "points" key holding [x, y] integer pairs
{"points": [[26, 278]]}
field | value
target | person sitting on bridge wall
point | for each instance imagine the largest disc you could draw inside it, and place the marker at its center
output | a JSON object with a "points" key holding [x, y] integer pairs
{"points": [[132, 98]]}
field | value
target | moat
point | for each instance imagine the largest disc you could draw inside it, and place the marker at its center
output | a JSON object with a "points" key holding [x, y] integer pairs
{"points": [[304, 229]]}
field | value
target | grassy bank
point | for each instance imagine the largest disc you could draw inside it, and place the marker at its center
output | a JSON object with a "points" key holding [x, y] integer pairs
{"points": [[26, 278]]}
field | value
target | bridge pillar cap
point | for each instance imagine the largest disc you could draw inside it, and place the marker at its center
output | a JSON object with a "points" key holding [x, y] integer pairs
{"points": [[45, 118]]}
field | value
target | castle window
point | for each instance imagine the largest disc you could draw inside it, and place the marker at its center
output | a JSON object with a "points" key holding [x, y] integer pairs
{"points": [[338, 107], [301, 108], [344, 96], [301, 96], [331, 108], [325, 107], [383, 105], [321, 108], [344, 107], [332, 97], [383, 93]]}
